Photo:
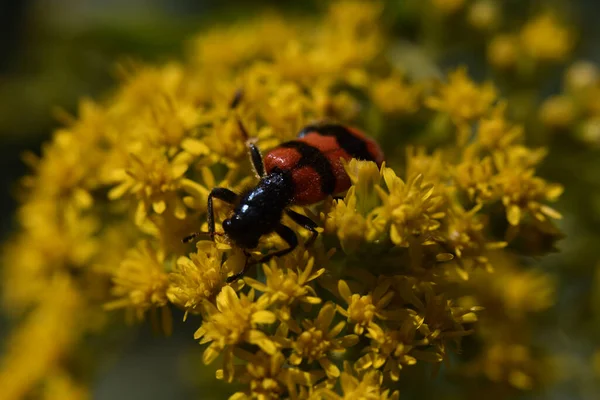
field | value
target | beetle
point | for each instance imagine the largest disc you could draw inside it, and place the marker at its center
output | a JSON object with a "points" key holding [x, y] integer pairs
{"points": [[303, 171]]}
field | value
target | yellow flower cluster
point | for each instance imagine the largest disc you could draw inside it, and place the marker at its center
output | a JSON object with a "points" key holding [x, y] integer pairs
{"points": [[577, 107], [543, 39], [117, 188]]}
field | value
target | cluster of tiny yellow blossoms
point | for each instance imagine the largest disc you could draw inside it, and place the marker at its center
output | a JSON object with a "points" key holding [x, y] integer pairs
{"points": [[577, 108], [531, 46], [383, 287]]}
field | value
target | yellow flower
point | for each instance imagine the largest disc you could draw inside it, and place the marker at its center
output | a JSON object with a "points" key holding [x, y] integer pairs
{"points": [[412, 208], [475, 175], [390, 349], [431, 166], [466, 240], [362, 310], [544, 39], [461, 98], [200, 276], [509, 362], [317, 341], [558, 112], [503, 51], [43, 339], [521, 190], [285, 287], [395, 95], [580, 77], [359, 385], [354, 219], [140, 282], [495, 132], [447, 6], [233, 321], [269, 378], [154, 179], [484, 14], [511, 294]]}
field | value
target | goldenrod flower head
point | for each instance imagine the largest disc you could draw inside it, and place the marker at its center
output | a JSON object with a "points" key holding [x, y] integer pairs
{"points": [[474, 176], [232, 321], [284, 287], [153, 178], [200, 276], [522, 191], [461, 98], [360, 385], [412, 208], [544, 38], [317, 341], [362, 310], [495, 132], [395, 95], [140, 281], [390, 349], [268, 377]]}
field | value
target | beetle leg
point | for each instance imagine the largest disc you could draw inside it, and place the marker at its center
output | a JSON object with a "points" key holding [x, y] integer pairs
{"points": [[222, 194], [286, 234], [306, 223]]}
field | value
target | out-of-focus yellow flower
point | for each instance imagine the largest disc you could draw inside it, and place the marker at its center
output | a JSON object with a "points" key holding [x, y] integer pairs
{"points": [[461, 98], [581, 76], [447, 6], [544, 38], [495, 132], [395, 95], [36, 349], [589, 132], [140, 282], [557, 112], [509, 362], [503, 51]]}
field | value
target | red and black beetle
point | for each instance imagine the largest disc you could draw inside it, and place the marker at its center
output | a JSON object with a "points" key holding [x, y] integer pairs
{"points": [[299, 172]]}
